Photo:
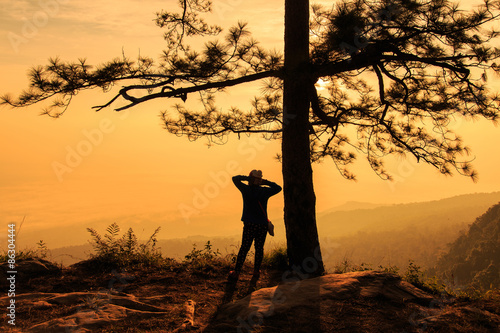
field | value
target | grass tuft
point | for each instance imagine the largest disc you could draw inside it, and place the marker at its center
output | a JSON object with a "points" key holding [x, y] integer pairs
{"points": [[276, 259]]}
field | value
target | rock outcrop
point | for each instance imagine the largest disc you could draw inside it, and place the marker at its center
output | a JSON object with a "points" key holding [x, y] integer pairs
{"points": [[352, 302]]}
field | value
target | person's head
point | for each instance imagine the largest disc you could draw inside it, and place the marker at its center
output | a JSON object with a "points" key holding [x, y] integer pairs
{"points": [[255, 177]]}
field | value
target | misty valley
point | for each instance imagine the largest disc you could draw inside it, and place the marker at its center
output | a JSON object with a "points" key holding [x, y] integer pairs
{"points": [[375, 237]]}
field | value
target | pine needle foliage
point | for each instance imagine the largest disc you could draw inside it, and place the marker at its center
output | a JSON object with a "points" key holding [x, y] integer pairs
{"points": [[396, 75]]}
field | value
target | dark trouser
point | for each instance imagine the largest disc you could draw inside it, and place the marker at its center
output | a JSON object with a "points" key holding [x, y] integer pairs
{"points": [[251, 232]]}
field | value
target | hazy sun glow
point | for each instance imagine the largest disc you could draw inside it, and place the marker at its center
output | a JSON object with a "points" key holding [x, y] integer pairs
{"points": [[321, 84]]}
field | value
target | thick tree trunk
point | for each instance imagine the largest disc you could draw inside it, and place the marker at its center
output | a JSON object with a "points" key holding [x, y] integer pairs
{"points": [[300, 202]]}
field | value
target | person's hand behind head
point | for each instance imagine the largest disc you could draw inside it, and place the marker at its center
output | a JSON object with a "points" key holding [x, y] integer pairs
{"points": [[254, 181]]}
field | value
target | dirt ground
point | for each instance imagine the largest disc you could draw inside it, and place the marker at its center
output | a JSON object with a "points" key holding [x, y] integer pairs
{"points": [[171, 287]]}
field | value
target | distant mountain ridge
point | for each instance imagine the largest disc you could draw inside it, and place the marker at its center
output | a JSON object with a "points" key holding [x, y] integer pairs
{"points": [[394, 234], [455, 210], [349, 206]]}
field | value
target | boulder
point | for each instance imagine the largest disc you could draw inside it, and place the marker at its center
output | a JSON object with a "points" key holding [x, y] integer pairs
{"points": [[368, 301], [36, 267]]}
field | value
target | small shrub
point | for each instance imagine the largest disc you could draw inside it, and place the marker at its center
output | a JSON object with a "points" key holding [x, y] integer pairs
{"points": [[42, 249], [413, 274], [231, 257], [493, 295], [20, 255], [94, 302], [389, 269], [276, 259], [200, 255], [40, 253], [435, 285], [206, 259], [112, 250], [468, 293], [346, 266]]}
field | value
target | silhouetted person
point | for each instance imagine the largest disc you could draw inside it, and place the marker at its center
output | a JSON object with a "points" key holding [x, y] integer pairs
{"points": [[254, 217]]}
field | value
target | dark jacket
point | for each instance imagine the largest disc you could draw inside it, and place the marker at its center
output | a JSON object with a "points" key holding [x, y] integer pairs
{"points": [[252, 196]]}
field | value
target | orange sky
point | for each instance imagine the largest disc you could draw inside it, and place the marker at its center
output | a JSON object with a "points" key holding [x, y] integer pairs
{"points": [[90, 169]]}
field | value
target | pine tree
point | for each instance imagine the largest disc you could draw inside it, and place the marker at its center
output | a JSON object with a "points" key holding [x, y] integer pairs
{"points": [[398, 73]]}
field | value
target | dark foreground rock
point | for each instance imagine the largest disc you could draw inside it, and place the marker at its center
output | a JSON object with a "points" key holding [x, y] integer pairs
{"points": [[366, 301], [28, 268]]}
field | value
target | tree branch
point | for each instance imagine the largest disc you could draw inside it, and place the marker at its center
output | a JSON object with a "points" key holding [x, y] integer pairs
{"points": [[182, 92], [363, 60], [438, 62], [318, 111], [396, 79], [381, 89]]}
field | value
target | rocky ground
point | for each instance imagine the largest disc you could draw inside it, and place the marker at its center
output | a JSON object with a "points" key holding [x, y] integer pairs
{"points": [[180, 297]]}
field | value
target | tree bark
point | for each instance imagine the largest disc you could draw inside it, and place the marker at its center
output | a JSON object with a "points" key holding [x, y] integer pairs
{"points": [[304, 252]]}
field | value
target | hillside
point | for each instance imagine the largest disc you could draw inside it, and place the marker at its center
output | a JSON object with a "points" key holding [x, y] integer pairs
{"points": [[393, 235], [474, 258], [450, 211]]}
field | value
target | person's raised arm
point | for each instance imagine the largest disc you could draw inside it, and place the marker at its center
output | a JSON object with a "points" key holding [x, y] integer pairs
{"points": [[273, 187], [238, 181]]}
